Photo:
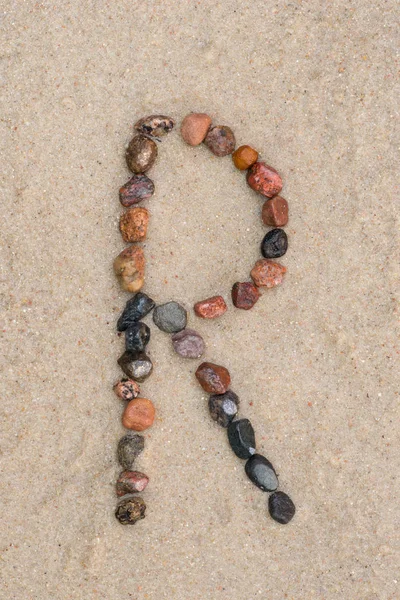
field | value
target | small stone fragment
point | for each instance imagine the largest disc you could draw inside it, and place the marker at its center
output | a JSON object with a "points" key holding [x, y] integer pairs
{"points": [[281, 508], [133, 224], [131, 482], [130, 509], [260, 471], [129, 268], [194, 128], [241, 438], [127, 389], [139, 414], [220, 140], [188, 343], [155, 125], [274, 244], [137, 365], [223, 407], [267, 273], [138, 188], [244, 157], [245, 295], [211, 307], [264, 179], [135, 309], [141, 154], [170, 317], [275, 212], [137, 337], [129, 448], [214, 379]]}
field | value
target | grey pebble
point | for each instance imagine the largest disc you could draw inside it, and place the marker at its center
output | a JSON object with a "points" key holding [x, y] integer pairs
{"points": [[170, 317], [129, 448], [260, 471]]}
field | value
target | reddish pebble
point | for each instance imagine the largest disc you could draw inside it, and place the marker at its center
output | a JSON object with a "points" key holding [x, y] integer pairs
{"points": [[245, 295], [214, 379], [275, 212], [133, 224], [139, 414], [188, 343], [194, 128], [267, 273], [127, 389], [220, 140], [264, 179], [130, 482], [138, 188], [210, 308]]}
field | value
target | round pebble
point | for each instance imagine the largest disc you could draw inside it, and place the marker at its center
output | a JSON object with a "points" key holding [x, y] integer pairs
{"points": [[245, 295], [127, 389], [138, 414], [220, 140], [133, 224], [244, 157], [136, 365], [135, 309], [214, 379], [188, 343], [275, 212], [137, 337], [170, 317], [267, 273], [241, 438], [129, 448], [141, 154], [223, 407], [260, 471], [281, 507], [131, 482], [274, 244], [194, 128], [138, 188], [264, 179], [130, 509], [129, 268], [155, 125], [211, 307]]}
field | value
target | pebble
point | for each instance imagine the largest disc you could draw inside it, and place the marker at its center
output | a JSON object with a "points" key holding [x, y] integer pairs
{"points": [[281, 507], [275, 212], [223, 407], [127, 389], [139, 414], [220, 140], [241, 438], [138, 188], [260, 471], [155, 125], [129, 448], [131, 482], [194, 128], [130, 509], [133, 224], [129, 268], [188, 343], [267, 273], [214, 379], [137, 365], [244, 157], [170, 317], [210, 308], [141, 154], [137, 337], [245, 295], [264, 179], [135, 309], [274, 244]]}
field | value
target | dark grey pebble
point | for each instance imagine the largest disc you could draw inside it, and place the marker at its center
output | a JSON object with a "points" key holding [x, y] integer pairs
{"points": [[241, 438], [135, 309], [281, 508], [130, 509], [137, 365], [274, 244], [260, 471], [137, 337], [129, 448], [170, 317], [223, 407]]}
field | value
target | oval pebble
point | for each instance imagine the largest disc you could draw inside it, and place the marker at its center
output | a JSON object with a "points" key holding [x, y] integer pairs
{"points": [[133, 224], [137, 337], [223, 407], [241, 438], [281, 507], [170, 317], [155, 125], [131, 482], [220, 140], [139, 414], [135, 309], [261, 472], [214, 379], [129, 448], [141, 154], [130, 509], [136, 365], [129, 268], [274, 244], [138, 188], [267, 273], [264, 179], [127, 389], [194, 128], [188, 343]]}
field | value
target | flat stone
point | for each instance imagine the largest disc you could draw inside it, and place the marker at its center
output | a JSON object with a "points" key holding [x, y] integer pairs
{"points": [[194, 128], [274, 244], [275, 212], [264, 179], [136, 365], [220, 140], [155, 125], [188, 343], [211, 307], [131, 482], [137, 337], [241, 438], [129, 448], [141, 154], [130, 510], [135, 309], [170, 317], [223, 407], [267, 273], [133, 224], [127, 389], [281, 507], [261, 472], [129, 268], [138, 188], [214, 379], [245, 295]]}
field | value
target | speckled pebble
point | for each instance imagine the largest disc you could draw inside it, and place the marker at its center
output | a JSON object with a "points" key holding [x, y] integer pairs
{"points": [[155, 125], [220, 140], [127, 389], [136, 365], [188, 343], [211, 307], [129, 448], [130, 510], [135, 309], [138, 188], [223, 407], [170, 317], [133, 224], [264, 179], [267, 273], [129, 268]]}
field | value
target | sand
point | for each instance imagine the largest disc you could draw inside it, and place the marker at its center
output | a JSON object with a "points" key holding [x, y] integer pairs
{"points": [[313, 86]]}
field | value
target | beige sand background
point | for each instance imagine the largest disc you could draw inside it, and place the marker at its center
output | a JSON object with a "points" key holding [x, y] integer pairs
{"points": [[311, 84]]}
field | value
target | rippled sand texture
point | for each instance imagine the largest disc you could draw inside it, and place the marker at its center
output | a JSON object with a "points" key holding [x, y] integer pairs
{"points": [[313, 86]]}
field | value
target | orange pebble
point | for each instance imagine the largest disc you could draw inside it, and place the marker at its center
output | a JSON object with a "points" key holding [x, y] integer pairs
{"points": [[139, 414], [210, 308], [244, 157]]}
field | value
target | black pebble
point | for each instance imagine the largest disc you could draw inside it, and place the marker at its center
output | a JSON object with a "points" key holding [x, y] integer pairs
{"points": [[281, 507], [136, 308], [223, 407], [274, 244], [137, 337], [136, 365], [241, 438], [260, 471]]}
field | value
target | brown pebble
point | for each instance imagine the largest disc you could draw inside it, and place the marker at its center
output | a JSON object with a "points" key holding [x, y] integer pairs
{"points": [[264, 179], [275, 212], [130, 509], [131, 482], [141, 154], [127, 389], [194, 128], [245, 295], [244, 157], [129, 268], [133, 224], [188, 343], [210, 308], [138, 188], [267, 273], [138, 414], [155, 125], [214, 379], [220, 140]]}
